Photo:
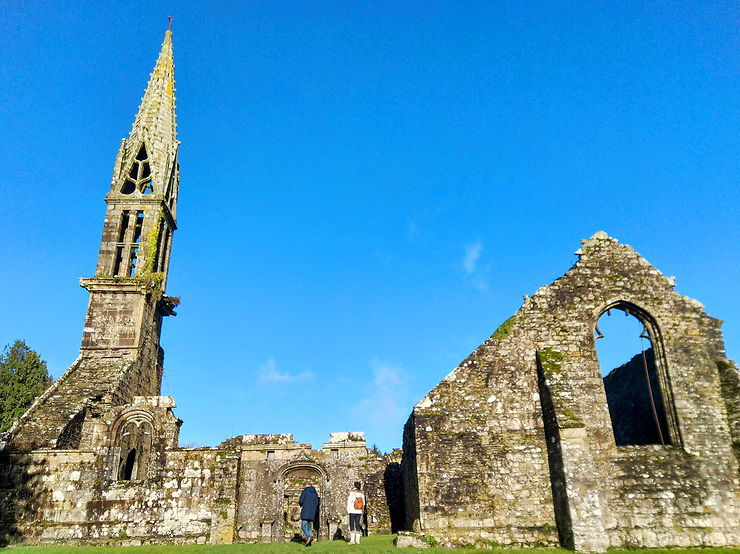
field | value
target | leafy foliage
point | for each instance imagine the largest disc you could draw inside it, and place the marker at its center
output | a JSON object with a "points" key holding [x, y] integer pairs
{"points": [[23, 376]]}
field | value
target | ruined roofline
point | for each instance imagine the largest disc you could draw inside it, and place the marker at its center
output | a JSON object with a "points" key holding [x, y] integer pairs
{"points": [[285, 441], [508, 327]]}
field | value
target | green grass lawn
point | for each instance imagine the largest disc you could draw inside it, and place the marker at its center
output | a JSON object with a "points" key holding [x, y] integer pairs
{"points": [[376, 543]]}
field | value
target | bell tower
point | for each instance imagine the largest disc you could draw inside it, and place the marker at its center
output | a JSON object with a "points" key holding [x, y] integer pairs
{"points": [[142, 201], [120, 356]]}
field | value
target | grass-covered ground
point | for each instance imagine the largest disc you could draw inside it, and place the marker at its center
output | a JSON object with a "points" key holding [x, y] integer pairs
{"points": [[377, 543]]}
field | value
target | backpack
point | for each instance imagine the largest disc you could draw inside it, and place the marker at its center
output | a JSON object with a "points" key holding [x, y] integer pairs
{"points": [[359, 503]]}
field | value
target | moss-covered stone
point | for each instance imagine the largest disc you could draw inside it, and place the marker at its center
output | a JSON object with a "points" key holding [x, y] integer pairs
{"points": [[504, 329]]}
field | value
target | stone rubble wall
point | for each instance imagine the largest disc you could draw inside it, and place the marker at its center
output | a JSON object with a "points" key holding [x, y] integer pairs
{"points": [[629, 402], [267, 463], [527, 410], [729, 376], [481, 456], [229, 494], [61, 496]]}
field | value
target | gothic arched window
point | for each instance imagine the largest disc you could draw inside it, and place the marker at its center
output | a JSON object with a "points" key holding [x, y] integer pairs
{"points": [[636, 383], [140, 175], [135, 444]]}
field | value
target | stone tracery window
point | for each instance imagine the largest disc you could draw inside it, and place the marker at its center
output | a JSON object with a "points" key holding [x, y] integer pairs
{"points": [[135, 440], [139, 175], [635, 376]]}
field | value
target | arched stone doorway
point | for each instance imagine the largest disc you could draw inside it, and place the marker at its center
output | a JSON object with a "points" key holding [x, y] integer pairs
{"points": [[292, 479]]}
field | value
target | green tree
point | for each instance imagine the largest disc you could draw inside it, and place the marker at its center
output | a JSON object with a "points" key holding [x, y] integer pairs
{"points": [[23, 376]]}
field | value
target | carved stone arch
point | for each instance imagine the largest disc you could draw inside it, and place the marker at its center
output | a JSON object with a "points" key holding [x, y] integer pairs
{"points": [[652, 331], [302, 460], [132, 436], [130, 415], [290, 479]]}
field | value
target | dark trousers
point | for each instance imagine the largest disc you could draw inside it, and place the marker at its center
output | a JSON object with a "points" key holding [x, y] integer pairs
{"points": [[354, 522]]}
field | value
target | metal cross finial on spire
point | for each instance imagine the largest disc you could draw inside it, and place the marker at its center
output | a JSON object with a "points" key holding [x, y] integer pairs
{"points": [[170, 18]]}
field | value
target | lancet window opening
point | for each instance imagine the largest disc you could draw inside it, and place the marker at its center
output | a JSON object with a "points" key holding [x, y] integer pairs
{"points": [[160, 236], [164, 252], [638, 391], [135, 443], [127, 247]]}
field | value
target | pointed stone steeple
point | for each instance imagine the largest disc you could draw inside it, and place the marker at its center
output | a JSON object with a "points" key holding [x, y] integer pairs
{"points": [[142, 202], [157, 110], [120, 357], [147, 161]]}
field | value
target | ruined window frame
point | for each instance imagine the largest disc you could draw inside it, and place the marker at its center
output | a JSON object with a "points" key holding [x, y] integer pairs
{"points": [[129, 235], [137, 437], [661, 368]]}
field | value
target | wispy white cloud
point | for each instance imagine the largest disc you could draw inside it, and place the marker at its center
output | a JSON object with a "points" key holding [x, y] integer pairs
{"points": [[385, 402], [480, 284], [472, 254], [269, 373]]}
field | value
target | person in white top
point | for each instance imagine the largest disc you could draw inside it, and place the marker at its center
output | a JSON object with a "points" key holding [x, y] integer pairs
{"points": [[355, 506]]}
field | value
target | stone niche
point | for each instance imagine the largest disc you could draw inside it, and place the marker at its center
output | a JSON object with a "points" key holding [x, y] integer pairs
{"points": [[516, 445]]}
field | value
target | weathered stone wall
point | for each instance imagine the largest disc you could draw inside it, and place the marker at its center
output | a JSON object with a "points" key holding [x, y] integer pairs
{"points": [[481, 456], [274, 470], [59, 496], [730, 381], [395, 491], [629, 400], [538, 378], [240, 491]]}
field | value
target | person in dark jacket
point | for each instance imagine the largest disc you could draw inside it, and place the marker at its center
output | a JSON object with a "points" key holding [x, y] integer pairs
{"points": [[309, 503]]}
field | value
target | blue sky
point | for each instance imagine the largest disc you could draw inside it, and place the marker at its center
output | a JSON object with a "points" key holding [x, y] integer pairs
{"points": [[368, 188]]}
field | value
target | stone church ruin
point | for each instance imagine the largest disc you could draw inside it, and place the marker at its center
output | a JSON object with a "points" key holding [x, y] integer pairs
{"points": [[527, 442]]}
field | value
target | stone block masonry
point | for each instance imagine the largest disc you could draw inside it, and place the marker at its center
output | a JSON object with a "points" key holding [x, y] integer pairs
{"points": [[516, 446], [245, 490]]}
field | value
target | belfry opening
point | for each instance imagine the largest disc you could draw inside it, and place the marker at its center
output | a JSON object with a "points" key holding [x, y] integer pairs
{"points": [[633, 388]]}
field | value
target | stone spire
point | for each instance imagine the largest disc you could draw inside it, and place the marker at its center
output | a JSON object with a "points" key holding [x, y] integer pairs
{"points": [[155, 120], [120, 356], [154, 129], [142, 201]]}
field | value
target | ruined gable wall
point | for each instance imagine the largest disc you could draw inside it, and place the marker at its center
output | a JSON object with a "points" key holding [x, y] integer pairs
{"points": [[88, 378], [651, 495], [644, 495], [58, 496]]}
